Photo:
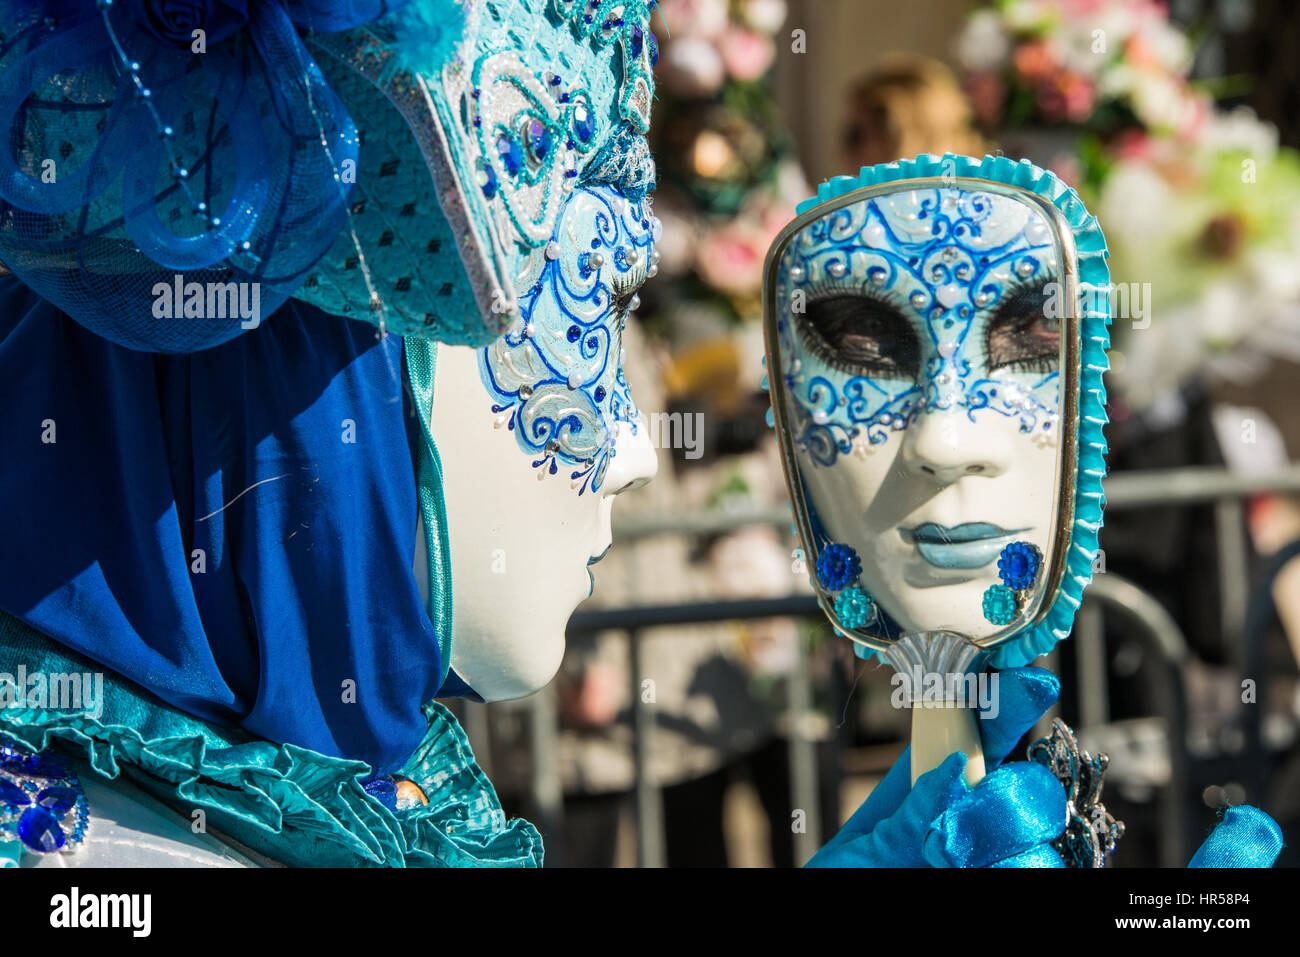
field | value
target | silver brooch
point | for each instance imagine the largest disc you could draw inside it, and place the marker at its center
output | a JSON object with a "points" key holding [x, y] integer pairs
{"points": [[1091, 832]]}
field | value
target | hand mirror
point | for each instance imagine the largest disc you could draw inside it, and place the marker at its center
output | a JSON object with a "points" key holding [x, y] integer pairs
{"points": [[936, 335]]}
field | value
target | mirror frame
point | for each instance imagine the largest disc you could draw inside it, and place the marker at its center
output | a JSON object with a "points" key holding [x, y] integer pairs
{"points": [[1081, 465]]}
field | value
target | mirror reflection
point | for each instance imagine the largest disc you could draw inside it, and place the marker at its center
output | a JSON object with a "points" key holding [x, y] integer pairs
{"points": [[919, 334]]}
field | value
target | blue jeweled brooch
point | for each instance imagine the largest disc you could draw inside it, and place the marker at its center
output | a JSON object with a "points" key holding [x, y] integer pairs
{"points": [[42, 803]]}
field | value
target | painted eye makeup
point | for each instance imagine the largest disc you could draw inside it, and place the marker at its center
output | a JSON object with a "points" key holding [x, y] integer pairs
{"points": [[862, 336], [1020, 337], [624, 293]]}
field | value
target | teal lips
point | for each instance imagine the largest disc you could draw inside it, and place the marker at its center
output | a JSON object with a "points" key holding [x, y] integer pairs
{"points": [[591, 578], [969, 545]]}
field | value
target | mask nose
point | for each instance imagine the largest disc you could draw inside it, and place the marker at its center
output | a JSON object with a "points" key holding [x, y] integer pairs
{"points": [[634, 464], [635, 461], [944, 446]]}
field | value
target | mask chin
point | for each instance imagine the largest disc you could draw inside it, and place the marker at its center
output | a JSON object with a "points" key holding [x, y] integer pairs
{"points": [[501, 669]]}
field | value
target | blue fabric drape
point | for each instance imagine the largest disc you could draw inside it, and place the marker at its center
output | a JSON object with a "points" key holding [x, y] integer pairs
{"points": [[232, 529]]}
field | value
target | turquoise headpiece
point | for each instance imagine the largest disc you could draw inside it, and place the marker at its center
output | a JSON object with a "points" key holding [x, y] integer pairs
{"points": [[537, 98], [171, 168]]}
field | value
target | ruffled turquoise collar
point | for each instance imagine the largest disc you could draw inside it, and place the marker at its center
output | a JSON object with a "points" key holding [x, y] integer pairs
{"points": [[293, 805]]}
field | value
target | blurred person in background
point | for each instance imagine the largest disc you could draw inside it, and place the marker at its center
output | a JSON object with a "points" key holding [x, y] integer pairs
{"points": [[907, 106]]}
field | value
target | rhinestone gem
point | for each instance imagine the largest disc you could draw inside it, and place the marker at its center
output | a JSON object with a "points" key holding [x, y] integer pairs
{"points": [[12, 795], [539, 141], [584, 122], [39, 829], [58, 798], [511, 155]]}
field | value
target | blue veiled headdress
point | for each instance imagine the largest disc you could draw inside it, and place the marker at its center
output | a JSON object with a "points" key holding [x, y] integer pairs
{"points": [[247, 543], [333, 150]]}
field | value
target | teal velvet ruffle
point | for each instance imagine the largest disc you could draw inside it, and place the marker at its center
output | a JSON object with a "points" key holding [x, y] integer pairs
{"points": [[295, 806]]}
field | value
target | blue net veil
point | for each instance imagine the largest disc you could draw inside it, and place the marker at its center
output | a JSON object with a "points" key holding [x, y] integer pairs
{"points": [[127, 161]]}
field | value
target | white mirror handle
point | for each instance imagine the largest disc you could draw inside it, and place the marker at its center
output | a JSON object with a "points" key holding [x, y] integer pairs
{"points": [[938, 732]]}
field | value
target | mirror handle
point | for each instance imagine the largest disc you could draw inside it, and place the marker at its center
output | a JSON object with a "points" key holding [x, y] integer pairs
{"points": [[938, 732]]}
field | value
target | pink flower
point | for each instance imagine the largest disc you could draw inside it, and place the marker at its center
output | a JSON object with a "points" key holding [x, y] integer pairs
{"points": [[747, 55], [731, 260], [1035, 62], [1070, 97], [1132, 144], [694, 18]]}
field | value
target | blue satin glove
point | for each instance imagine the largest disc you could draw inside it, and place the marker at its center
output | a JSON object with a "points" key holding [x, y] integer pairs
{"points": [[1007, 820], [1245, 837]]}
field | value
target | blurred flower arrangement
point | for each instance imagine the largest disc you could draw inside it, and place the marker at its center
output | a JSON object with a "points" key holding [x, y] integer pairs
{"points": [[1096, 65], [1198, 202], [727, 183]]}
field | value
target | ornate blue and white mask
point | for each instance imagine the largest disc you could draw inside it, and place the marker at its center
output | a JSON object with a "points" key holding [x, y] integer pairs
{"points": [[933, 382], [556, 378]]}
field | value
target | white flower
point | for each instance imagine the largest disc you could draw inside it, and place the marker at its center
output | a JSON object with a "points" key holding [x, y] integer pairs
{"points": [[1168, 45], [693, 18], [983, 44], [691, 66], [1160, 101], [766, 16], [1240, 130], [1135, 204]]}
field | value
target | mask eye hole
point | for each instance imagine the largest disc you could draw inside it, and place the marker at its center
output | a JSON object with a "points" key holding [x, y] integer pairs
{"points": [[1021, 337], [861, 336]]}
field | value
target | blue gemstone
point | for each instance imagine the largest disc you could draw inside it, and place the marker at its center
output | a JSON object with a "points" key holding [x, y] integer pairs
{"points": [[654, 51], [539, 140], [12, 795], [10, 758], [383, 791], [574, 333], [490, 185], [584, 122], [637, 41], [58, 799], [45, 766], [511, 155], [600, 393], [39, 829]]}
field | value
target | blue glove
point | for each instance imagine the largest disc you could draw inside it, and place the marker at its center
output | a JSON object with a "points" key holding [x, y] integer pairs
{"points": [[1246, 837], [1006, 820]]}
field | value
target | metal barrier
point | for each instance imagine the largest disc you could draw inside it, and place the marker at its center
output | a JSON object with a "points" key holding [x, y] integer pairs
{"points": [[1155, 626]]}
